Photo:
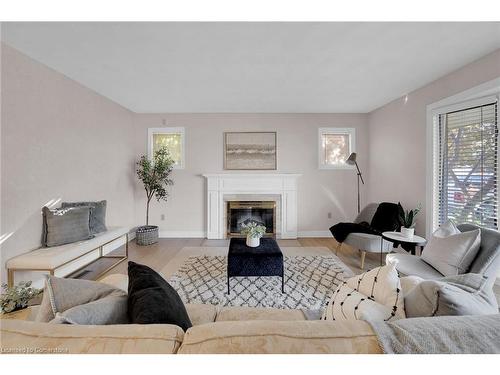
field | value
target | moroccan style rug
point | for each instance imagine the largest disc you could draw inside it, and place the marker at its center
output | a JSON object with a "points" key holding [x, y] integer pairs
{"points": [[309, 283]]}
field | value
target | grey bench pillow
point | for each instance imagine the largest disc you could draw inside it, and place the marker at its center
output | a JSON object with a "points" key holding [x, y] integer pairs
{"points": [[97, 222], [62, 226]]}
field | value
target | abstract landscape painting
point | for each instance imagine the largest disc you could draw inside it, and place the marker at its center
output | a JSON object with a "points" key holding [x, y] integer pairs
{"points": [[250, 150]]}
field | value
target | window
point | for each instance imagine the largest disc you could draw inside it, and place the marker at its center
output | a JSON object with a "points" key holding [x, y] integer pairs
{"points": [[466, 168], [172, 138], [335, 146]]}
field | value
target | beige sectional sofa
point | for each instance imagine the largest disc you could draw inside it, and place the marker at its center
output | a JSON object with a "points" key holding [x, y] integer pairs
{"points": [[224, 330]]}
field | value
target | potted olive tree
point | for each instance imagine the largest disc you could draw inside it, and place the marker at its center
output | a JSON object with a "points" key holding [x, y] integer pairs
{"points": [[155, 176]]}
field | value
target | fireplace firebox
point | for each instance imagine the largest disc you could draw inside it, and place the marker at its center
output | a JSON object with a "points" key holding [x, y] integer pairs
{"points": [[244, 212]]}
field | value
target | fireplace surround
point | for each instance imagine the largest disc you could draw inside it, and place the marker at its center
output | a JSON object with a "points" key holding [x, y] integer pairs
{"points": [[280, 188]]}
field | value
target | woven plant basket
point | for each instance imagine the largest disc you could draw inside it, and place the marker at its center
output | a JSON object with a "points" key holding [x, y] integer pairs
{"points": [[146, 235]]}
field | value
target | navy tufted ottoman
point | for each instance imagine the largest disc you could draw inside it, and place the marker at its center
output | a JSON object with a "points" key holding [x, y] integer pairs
{"points": [[264, 260]]}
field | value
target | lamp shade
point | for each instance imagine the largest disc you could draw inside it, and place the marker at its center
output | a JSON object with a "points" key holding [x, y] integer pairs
{"points": [[351, 159]]}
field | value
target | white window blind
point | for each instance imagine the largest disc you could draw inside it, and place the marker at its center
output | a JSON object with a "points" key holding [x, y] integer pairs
{"points": [[468, 174]]}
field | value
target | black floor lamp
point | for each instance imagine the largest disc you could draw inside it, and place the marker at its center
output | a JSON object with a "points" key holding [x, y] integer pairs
{"points": [[351, 160]]}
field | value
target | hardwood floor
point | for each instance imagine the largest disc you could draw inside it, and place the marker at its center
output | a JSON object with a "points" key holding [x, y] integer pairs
{"points": [[158, 255]]}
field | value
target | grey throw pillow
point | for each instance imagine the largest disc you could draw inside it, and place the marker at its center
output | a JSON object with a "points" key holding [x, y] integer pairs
{"points": [[467, 294], [450, 251], [61, 295], [107, 310], [97, 222], [62, 226]]}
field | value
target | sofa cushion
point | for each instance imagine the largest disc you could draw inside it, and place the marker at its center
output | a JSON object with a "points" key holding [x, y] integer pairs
{"points": [[63, 226], [200, 313], [62, 294], [412, 265], [236, 313], [32, 337], [280, 337], [375, 295], [450, 251], [408, 283], [152, 300], [467, 294], [97, 219]]}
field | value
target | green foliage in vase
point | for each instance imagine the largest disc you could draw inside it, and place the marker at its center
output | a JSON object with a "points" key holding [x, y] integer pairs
{"points": [[408, 218], [17, 297], [253, 230], [155, 176]]}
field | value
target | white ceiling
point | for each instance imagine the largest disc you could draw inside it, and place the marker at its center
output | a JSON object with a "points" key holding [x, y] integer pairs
{"points": [[253, 67]]}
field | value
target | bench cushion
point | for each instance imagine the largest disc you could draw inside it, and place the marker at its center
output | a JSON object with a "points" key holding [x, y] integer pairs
{"points": [[53, 257]]}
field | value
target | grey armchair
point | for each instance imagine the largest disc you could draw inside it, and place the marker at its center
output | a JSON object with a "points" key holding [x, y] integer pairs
{"points": [[487, 261], [364, 242]]}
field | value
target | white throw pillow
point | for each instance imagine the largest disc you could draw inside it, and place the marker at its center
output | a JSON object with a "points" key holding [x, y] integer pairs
{"points": [[450, 251], [373, 295]]}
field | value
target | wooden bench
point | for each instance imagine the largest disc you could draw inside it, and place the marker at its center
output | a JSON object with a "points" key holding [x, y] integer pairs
{"points": [[66, 259]]}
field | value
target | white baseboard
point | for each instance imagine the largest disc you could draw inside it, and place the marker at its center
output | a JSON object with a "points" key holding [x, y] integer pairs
{"points": [[314, 233], [202, 234], [182, 234]]}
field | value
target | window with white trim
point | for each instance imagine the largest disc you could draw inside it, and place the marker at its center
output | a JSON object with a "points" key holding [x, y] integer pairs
{"points": [[466, 169], [172, 139], [334, 147]]}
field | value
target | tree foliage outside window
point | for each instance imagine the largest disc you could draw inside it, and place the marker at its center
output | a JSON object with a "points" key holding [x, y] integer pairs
{"points": [[468, 166], [172, 142]]}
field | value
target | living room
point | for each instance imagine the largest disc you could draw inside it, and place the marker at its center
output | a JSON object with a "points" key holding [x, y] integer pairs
{"points": [[249, 187]]}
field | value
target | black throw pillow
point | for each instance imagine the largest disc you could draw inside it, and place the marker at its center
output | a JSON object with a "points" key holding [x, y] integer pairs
{"points": [[152, 300], [386, 218]]}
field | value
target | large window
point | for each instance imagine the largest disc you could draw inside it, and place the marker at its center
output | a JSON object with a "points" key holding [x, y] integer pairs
{"points": [[172, 139], [335, 146], [466, 168]]}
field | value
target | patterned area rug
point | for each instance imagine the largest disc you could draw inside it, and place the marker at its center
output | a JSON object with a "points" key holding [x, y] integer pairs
{"points": [[309, 283]]}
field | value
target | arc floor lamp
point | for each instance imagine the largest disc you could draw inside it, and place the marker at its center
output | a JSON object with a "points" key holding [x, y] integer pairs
{"points": [[351, 160]]}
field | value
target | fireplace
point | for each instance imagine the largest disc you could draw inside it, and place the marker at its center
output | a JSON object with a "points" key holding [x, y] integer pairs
{"points": [[244, 212]]}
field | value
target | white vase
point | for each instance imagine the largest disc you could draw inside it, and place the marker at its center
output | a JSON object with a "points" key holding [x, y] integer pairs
{"points": [[253, 241], [407, 232]]}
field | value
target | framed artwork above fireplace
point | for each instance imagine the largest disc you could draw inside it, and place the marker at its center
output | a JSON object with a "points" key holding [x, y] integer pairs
{"points": [[250, 151]]}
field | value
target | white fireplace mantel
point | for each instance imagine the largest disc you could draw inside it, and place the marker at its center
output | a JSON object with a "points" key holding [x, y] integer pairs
{"points": [[283, 185]]}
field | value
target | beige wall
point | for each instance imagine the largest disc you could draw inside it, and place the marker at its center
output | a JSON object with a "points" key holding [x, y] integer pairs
{"points": [[60, 140], [397, 159], [320, 191]]}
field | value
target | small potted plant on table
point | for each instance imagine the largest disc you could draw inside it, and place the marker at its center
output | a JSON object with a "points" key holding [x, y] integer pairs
{"points": [[253, 232], [408, 220], [17, 297], [155, 176]]}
